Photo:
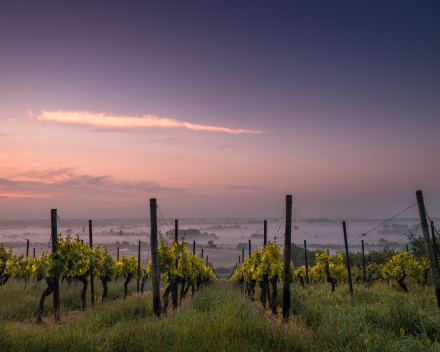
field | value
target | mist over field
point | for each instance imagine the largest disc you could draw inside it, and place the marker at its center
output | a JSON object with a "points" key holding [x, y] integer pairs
{"points": [[222, 239]]}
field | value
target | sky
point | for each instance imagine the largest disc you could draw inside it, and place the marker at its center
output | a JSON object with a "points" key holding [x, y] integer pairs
{"points": [[218, 108]]}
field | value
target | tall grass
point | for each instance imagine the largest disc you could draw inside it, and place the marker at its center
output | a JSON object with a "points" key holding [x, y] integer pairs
{"points": [[217, 319], [18, 301], [221, 318], [379, 318]]}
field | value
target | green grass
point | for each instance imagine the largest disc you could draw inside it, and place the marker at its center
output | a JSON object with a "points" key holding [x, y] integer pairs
{"points": [[19, 301], [380, 318], [221, 318], [217, 319]]}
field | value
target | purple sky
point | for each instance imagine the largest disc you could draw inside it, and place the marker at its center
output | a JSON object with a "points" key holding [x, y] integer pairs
{"points": [[345, 97]]}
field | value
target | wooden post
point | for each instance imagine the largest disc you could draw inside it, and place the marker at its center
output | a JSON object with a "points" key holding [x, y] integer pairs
{"points": [[155, 276], [242, 254], [202, 253], [305, 257], [434, 271], [92, 284], [207, 261], [194, 253], [27, 248], [176, 234], [54, 234], [434, 244], [82, 241], [139, 266], [407, 249], [266, 287], [287, 256], [265, 232], [250, 250], [328, 252], [348, 260], [175, 293], [34, 252], [117, 255], [363, 262]]}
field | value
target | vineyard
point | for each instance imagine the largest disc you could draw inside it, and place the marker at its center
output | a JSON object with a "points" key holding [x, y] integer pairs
{"points": [[387, 303], [77, 262], [265, 266]]}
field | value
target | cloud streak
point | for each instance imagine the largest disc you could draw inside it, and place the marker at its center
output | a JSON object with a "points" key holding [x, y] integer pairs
{"points": [[65, 182], [103, 120]]}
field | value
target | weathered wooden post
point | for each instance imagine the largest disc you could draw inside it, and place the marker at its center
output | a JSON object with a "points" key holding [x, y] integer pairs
{"points": [[207, 262], [265, 287], [34, 252], [434, 272], [175, 292], [265, 233], [92, 286], [202, 253], [242, 254], [305, 257], [139, 266], [194, 253], [155, 276], [117, 255], [348, 260], [27, 248], [363, 262], [176, 234], [56, 291], [434, 244], [287, 256], [82, 241], [328, 252], [407, 249], [250, 248]]}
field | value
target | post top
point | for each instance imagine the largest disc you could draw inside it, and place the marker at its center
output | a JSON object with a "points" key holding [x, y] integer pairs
{"points": [[152, 201]]}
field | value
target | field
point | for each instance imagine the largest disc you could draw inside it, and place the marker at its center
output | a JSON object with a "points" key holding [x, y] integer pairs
{"points": [[221, 318]]}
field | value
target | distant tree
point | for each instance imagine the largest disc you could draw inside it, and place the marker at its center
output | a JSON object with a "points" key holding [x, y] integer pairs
{"points": [[418, 248], [376, 256], [242, 246], [211, 244]]}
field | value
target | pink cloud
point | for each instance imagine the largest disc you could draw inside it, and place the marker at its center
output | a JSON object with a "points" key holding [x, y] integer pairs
{"points": [[17, 195], [103, 120], [65, 182]]}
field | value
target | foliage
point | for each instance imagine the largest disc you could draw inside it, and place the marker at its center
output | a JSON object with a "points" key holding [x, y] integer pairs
{"points": [[260, 263], [190, 267], [4, 257], [327, 264], [127, 267], [402, 264], [20, 267]]}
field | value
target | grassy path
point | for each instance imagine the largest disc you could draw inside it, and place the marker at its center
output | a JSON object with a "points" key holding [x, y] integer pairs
{"points": [[217, 319], [220, 318]]}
